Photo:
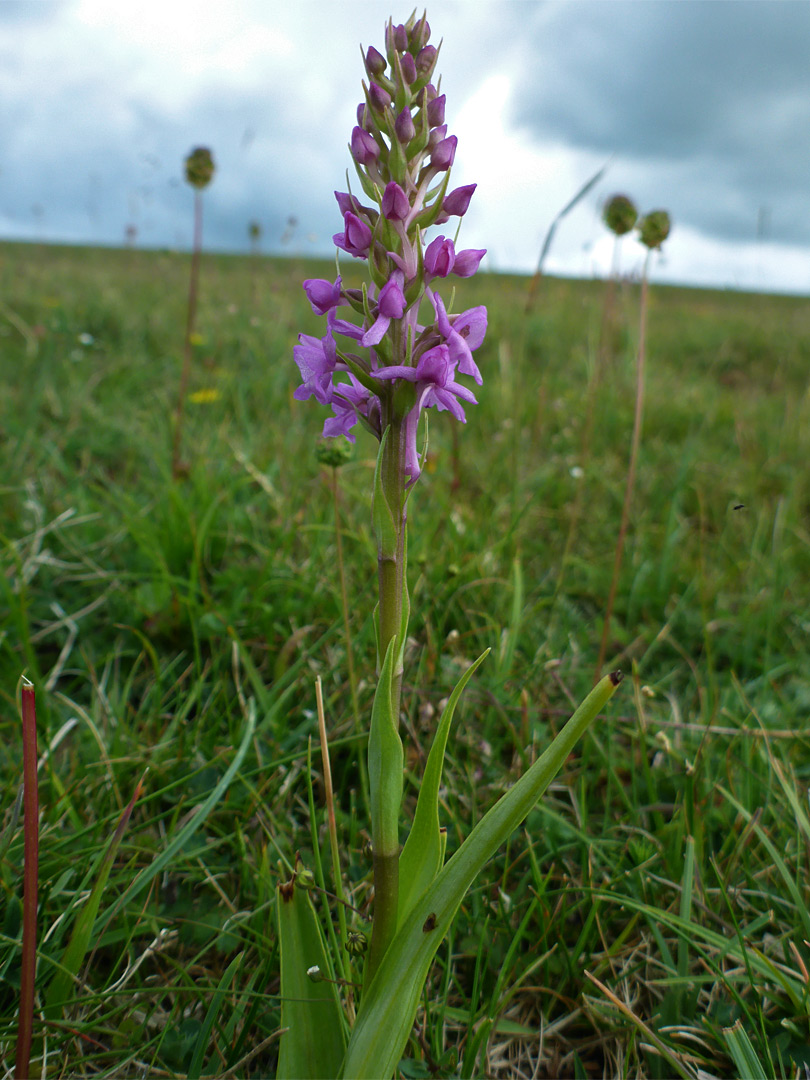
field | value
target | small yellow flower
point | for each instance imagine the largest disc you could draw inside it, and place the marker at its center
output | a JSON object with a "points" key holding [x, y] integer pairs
{"points": [[205, 397], [196, 339]]}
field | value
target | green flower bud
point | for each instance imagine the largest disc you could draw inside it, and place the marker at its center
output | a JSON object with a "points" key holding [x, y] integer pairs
{"points": [[620, 214], [333, 452], [306, 879], [356, 943], [314, 974], [199, 167], [654, 228]]}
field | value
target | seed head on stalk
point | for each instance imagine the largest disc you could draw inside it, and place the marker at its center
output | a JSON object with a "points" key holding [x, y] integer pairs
{"points": [[199, 168], [654, 228], [620, 214]]}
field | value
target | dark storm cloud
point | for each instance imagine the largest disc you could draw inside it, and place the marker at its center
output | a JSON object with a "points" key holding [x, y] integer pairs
{"points": [[708, 104], [81, 162]]}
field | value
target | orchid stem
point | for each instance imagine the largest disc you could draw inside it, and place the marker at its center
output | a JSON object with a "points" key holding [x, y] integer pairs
{"points": [[392, 620]]}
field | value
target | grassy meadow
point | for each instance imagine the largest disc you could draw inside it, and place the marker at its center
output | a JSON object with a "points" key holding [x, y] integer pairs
{"points": [[670, 861]]}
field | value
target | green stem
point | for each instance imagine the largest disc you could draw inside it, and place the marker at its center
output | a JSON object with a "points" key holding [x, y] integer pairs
{"points": [[393, 612], [391, 565]]}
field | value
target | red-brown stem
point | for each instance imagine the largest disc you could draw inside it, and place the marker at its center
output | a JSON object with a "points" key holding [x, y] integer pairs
{"points": [[25, 1024], [631, 471], [190, 320]]}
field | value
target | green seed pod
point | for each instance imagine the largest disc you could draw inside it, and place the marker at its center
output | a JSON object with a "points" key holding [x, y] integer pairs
{"points": [[199, 167], [620, 214], [333, 452], [654, 228]]}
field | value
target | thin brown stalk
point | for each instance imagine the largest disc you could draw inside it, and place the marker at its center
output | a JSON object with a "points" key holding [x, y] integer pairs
{"points": [[604, 353], [329, 797], [631, 471], [25, 1024], [191, 316]]}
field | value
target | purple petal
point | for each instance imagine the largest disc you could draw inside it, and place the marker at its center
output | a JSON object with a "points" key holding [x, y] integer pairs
{"points": [[395, 205], [322, 295], [468, 261], [376, 332], [440, 257], [458, 201], [396, 371]]}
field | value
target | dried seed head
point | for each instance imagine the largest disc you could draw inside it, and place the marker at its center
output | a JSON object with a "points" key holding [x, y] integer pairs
{"points": [[654, 228], [620, 214], [199, 167]]}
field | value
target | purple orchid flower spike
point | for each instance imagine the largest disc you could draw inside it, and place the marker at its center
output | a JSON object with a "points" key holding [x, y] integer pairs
{"points": [[379, 368], [403, 154]]}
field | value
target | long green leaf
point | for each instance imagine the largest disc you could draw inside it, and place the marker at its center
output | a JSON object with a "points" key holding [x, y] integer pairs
{"points": [[388, 1008], [385, 756], [421, 858], [313, 1044]]}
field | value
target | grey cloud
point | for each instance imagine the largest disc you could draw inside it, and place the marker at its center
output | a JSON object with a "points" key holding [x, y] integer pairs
{"points": [[710, 100]]}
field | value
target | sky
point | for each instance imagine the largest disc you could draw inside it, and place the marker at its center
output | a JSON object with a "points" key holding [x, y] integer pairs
{"points": [[701, 108]]}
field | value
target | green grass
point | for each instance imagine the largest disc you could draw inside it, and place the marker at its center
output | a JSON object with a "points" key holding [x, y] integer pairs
{"points": [[671, 859]]}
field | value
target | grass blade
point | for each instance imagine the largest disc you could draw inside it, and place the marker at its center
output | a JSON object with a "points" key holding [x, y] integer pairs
{"points": [[749, 1067], [195, 1068]]}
